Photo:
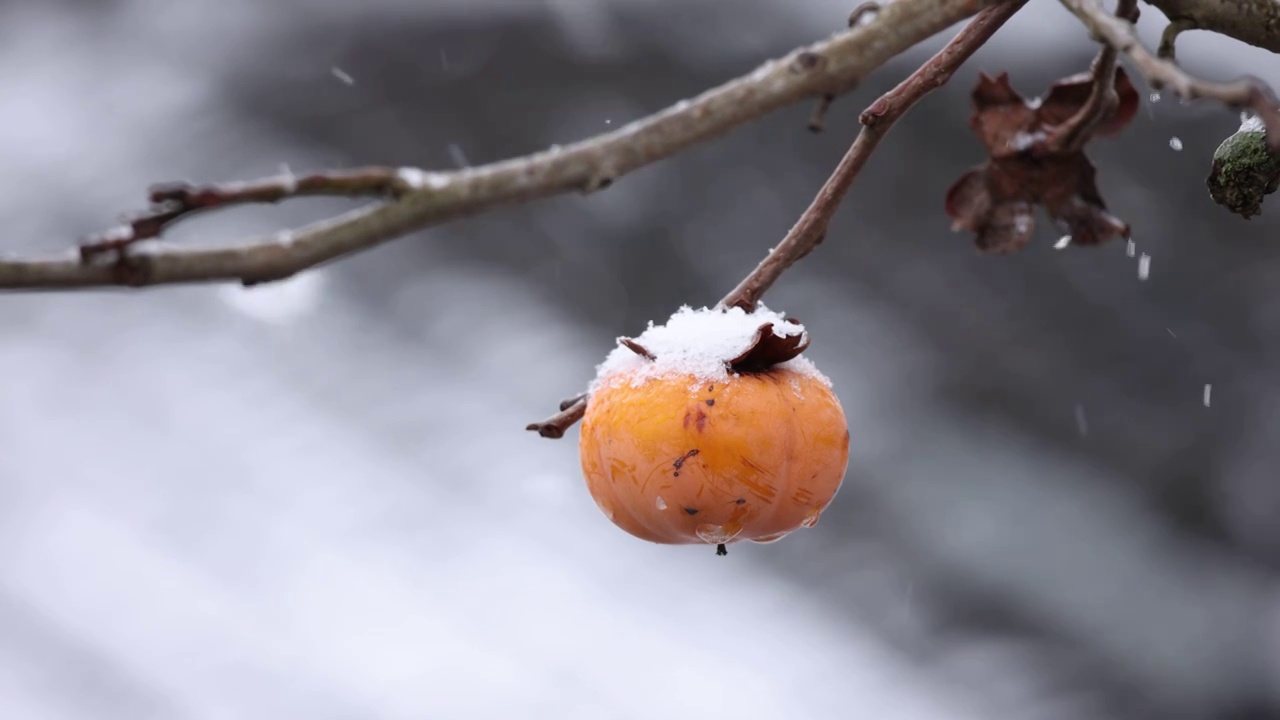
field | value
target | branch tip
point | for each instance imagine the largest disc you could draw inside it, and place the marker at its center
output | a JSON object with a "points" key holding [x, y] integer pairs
{"points": [[557, 425], [637, 348], [818, 118]]}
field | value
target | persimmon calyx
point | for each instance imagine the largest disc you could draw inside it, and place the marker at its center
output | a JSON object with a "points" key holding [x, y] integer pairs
{"points": [[771, 346]]}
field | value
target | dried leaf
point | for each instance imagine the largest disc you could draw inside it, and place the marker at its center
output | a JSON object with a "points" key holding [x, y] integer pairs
{"points": [[768, 349], [1067, 95], [1029, 165]]}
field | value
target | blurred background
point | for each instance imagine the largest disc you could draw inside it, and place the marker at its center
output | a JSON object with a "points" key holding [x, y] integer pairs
{"points": [[316, 499]]}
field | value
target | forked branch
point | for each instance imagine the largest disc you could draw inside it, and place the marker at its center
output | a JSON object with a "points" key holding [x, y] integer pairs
{"points": [[824, 68], [1118, 32], [1102, 101], [811, 228], [171, 202]]}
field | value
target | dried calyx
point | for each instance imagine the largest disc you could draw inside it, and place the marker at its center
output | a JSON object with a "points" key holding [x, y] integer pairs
{"points": [[769, 346], [709, 346]]}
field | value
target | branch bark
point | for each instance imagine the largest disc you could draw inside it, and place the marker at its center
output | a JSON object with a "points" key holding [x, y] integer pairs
{"points": [[172, 202], [1243, 94], [828, 67], [1102, 101], [1256, 22]]}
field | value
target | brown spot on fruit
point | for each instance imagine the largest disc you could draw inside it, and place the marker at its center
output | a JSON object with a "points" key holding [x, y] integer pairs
{"points": [[740, 501], [702, 420], [710, 403], [691, 511], [679, 462]]}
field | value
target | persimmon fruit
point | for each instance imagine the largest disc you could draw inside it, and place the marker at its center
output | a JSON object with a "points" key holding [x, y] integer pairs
{"points": [[713, 429]]}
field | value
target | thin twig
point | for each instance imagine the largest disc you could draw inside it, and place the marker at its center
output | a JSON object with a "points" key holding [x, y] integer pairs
{"points": [[809, 231], [1244, 94], [557, 425], [1075, 133], [829, 67], [818, 118], [171, 202], [811, 228], [1169, 38]]}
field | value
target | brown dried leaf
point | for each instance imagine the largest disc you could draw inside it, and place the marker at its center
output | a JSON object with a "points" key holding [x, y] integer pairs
{"points": [[1029, 166], [1008, 228], [768, 349]]}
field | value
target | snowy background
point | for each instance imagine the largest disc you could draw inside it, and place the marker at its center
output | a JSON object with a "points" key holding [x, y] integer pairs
{"points": [[316, 499]]}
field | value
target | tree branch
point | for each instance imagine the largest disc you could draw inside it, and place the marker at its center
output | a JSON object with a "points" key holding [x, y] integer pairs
{"points": [[171, 202], [828, 67], [1256, 22], [1169, 38], [1246, 93], [811, 228], [1076, 132]]}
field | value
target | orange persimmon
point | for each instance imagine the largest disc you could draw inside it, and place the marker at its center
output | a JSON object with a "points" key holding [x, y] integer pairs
{"points": [[731, 437]]}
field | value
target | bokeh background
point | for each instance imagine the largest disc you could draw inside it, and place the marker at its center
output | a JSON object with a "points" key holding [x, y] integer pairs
{"points": [[316, 499]]}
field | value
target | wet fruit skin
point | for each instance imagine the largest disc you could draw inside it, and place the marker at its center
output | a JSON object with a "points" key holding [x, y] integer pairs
{"points": [[679, 461]]}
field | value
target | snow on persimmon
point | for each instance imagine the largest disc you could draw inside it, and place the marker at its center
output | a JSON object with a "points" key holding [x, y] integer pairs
{"points": [[713, 428]]}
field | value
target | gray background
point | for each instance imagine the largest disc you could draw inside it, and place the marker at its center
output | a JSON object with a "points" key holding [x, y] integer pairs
{"points": [[316, 499]]}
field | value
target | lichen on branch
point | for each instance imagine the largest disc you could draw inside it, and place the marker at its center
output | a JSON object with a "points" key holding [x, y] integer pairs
{"points": [[1244, 170]]}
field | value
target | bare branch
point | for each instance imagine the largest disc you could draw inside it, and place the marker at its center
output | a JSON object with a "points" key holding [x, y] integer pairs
{"points": [[1246, 93], [1169, 38], [808, 232], [1256, 22], [811, 228], [828, 67], [171, 202], [1102, 102]]}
